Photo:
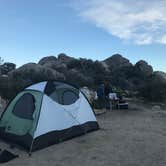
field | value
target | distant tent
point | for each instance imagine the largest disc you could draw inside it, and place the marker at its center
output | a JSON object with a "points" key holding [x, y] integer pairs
{"points": [[47, 113]]}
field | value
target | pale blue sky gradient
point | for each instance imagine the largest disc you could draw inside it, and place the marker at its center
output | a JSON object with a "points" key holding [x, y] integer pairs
{"points": [[32, 29]]}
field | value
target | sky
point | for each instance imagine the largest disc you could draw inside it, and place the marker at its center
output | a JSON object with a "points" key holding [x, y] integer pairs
{"points": [[92, 29]]}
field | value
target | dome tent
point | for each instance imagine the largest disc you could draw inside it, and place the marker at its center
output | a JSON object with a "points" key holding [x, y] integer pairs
{"points": [[46, 113]]}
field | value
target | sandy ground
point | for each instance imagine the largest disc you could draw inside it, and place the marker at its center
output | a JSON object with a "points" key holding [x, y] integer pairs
{"points": [[134, 137]]}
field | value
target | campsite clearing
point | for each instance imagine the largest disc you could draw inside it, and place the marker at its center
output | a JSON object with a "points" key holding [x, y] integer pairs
{"points": [[135, 137]]}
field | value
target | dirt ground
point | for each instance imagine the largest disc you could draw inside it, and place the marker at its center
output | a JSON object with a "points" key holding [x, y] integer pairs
{"points": [[134, 137]]}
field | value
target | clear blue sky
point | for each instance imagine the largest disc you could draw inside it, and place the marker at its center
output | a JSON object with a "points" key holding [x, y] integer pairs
{"points": [[95, 29]]}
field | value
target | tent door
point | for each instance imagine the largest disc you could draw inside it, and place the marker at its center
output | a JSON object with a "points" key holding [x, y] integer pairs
{"points": [[23, 115]]}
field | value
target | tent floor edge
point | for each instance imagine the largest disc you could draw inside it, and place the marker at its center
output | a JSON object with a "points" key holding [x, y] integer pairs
{"points": [[55, 137]]}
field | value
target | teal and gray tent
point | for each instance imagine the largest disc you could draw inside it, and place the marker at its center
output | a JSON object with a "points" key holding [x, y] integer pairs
{"points": [[47, 113]]}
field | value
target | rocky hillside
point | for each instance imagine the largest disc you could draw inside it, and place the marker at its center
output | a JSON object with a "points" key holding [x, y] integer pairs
{"points": [[83, 72]]}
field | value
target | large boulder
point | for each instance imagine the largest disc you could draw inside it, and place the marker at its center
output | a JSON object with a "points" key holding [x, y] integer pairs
{"points": [[7, 67], [49, 59], [28, 74], [93, 70], [64, 58], [144, 68], [105, 65], [160, 76], [155, 87], [77, 78], [117, 61], [57, 65], [121, 71]]}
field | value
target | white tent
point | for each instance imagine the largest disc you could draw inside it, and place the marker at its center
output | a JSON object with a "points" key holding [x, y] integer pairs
{"points": [[46, 113]]}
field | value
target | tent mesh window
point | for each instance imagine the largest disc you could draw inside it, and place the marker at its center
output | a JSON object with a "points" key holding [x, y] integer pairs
{"points": [[54, 96], [25, 106], [62, 93], [69, 97], [54, 85]]}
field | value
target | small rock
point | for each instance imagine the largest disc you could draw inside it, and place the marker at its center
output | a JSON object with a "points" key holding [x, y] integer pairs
{"points": [[156, 108]]}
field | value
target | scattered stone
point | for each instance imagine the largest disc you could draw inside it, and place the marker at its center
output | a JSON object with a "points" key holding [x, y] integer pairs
{"points": [[156, 108]]}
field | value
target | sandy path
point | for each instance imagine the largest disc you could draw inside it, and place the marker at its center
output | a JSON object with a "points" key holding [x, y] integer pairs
{"points": [[126, 138]]}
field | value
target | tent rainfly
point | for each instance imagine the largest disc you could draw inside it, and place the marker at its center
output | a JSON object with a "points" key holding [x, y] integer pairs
{"points": [[46, 113]]}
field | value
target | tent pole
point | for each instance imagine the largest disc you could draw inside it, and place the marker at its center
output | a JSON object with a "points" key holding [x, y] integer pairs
{"points": [[30, 150]]}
